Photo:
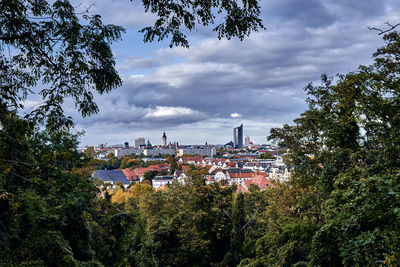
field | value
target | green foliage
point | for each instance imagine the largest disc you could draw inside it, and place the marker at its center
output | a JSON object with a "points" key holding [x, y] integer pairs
{"points": [[45, 205], [345, 146], [149, 175], [240, 19], [267, 155], [114, 232], [237, 233], [362, 220], [127, 161], [286, 226], [173, 165], [341, 206], [185, 225], [67, 55]]}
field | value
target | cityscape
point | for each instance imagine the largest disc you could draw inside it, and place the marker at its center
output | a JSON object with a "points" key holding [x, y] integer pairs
{"points": [[213, 133], [238, 162]]}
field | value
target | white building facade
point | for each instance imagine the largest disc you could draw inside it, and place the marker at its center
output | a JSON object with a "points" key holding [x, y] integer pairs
{"points": [[209, 152]]}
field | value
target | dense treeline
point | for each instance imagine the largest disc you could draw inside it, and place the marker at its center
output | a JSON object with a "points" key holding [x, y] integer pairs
{"points": [[126, 161], [341, 207]]}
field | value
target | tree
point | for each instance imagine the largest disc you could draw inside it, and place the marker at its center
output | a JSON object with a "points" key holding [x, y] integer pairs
{"points": [[173, 165], [186, 225], [56, 51], [149, 175], [127, 162], [343, 148], [362, 210], [240, 19], [44, 203], [267, 155], [234, 255]]}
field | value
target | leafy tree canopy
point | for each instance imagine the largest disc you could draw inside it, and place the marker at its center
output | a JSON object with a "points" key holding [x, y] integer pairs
{"points": [[240, 18]]}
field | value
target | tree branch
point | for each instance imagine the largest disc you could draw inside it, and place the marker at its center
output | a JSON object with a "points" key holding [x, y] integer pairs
{"points": [[391, 28]]}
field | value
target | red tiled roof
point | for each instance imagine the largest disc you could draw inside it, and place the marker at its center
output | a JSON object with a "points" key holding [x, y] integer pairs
{"points": [[207, 167], [159, 168], [140, 171], [131, 175], [241, 175], [261, 181], [265, 174]]}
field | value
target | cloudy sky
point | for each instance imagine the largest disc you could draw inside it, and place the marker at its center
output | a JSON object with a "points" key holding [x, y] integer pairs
{"points": [[199, 94]]}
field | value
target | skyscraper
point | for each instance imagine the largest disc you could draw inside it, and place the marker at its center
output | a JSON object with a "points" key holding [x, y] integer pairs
{"points": [[238, 136], [164, 140]]}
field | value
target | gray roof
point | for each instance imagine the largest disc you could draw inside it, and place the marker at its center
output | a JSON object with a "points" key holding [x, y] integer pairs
{"points": [[112, 176], [164, 177]]}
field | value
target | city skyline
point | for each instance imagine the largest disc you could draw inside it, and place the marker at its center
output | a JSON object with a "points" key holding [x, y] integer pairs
{"points": [[140, 141]]}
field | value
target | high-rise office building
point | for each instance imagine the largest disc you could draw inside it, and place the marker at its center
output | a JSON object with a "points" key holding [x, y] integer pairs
{"points": [[164, 140], [246, 140], [139, 142], [238, 136], [126, 145]]}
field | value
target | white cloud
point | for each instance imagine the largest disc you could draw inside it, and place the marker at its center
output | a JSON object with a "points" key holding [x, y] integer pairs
{"points": [[170, 112], [236, 115]]}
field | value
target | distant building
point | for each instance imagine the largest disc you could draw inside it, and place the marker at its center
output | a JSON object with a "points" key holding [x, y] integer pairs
{"points": [[121, 152], [149, 144], [238, 136], [164, 140], [191, 160], [139, 142], [229, 144], [159, 181], [160, 168], [246, 141], [210, 152], [126, 145], [158, 151]]}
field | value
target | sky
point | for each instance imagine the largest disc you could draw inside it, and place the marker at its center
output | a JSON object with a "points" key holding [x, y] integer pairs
{"points": [[200, 94]]}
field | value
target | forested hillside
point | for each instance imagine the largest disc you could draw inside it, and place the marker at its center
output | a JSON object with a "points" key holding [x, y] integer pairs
{"points": [[341, 206]]}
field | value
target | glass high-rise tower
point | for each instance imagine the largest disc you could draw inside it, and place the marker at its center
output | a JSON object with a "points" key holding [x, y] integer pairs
{"points": [[164, 139], [238, 136]]}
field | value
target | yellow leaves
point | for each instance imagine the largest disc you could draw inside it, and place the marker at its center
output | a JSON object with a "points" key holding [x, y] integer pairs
{"points": [[135, 192], [391, 260], [119, 197]]}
